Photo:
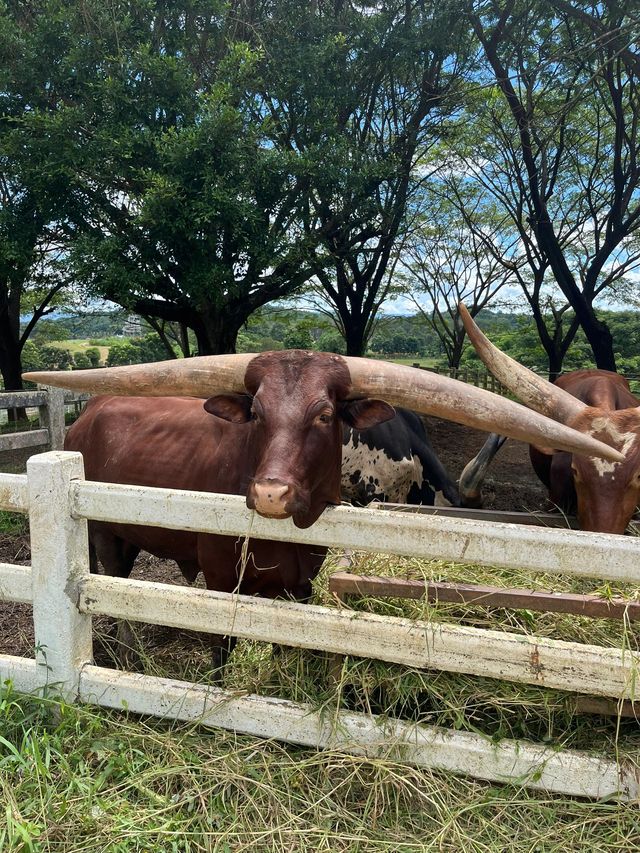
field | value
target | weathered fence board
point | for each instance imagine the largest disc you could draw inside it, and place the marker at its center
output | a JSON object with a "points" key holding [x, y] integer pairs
{"points": [[15, 583], [22, 440], [52, 417], [51, 403], [460, 540], [33, 399], [541, 519], [25, 675], [22, 399], [533, 766], [14, 493], [432, 645]]}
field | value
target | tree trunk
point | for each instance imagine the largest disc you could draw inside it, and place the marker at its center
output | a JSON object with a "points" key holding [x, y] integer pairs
{"points": [[183, 332], [354, 335], [555, 360], [596, 331], [10, 363], [218, 332], [601, 342], [455, 353]]}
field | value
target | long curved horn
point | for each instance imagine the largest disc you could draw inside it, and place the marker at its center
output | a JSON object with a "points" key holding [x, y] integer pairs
{"points": [[532, 390], [430, 394], [424, 392], [201, 376], [474, 472]]}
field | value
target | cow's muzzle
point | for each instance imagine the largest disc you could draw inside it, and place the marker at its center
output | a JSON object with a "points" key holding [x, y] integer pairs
{"points": [[270, 498]]}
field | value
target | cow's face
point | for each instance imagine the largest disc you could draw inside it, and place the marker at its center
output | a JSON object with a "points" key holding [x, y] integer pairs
{"points": [[608, 493], [296, 407]]}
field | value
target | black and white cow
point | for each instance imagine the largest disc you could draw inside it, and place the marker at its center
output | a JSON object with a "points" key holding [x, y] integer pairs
{"points": [[394, 462]]}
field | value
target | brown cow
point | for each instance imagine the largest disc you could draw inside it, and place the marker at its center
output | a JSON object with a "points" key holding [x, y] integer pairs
{"points": [[271, 429], [598, 403]]}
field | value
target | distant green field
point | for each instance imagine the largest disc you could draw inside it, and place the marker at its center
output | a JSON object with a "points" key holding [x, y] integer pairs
{"points": [[76, 345]]}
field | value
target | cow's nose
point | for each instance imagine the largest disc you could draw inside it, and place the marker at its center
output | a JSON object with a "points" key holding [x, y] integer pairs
{"points": [[270, 497]]}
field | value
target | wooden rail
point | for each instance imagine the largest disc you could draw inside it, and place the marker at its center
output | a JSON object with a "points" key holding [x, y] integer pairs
{"points": [[342, 584], [51, 404], [481, 377]]}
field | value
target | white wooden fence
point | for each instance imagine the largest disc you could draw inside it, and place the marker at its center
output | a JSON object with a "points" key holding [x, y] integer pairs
{"points": [[65, 596], [51, 404]]}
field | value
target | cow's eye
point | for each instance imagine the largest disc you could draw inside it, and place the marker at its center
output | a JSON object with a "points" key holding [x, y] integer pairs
{"points": [[254, 415], [324, 418]]}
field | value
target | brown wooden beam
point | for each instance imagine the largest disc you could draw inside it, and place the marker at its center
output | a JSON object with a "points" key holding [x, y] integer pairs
{"points": [[342, 584], [607, 707]]}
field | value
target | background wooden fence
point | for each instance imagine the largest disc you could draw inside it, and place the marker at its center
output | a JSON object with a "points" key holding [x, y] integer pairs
{"points": [[480, 377], [51, 404], [65, 596]]}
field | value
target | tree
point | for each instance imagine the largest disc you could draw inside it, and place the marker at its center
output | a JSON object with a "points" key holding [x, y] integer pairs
{"points": [[208, 237], [568, 79], [358, 91], [93, 354], [194, 217], [45, 64], [449, 259], [490, 205]]}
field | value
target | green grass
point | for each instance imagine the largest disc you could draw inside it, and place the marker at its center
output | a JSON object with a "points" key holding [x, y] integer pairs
{"points": [[82, 779], [78, 779], [13, 523]]}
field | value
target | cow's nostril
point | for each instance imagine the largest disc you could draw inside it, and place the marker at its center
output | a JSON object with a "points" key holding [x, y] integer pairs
{"points": [[270, 497]]}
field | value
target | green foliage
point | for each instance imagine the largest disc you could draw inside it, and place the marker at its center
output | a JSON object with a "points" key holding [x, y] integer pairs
{"points": [[405, 335], [81, 361], [56, 358], [93, 354], [136, 351], [48, 331], [332, 341], [409, 336], [517, 336], [298, 337], [32, 358]]}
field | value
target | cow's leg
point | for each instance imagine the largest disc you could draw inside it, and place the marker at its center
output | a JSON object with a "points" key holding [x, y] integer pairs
{"points": [[219, 563], [221, 646], [117, 558]]}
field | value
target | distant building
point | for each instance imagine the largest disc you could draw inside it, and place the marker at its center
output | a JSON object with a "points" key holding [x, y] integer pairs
{"points": [[134, 327]]}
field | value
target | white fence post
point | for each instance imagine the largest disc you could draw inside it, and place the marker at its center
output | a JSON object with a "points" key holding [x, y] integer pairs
{"points": [[52, 415], [59, 559]]}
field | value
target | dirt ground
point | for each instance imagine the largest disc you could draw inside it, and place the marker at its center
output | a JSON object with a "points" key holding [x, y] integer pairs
{"points": [[511, 486], [511, 483]]}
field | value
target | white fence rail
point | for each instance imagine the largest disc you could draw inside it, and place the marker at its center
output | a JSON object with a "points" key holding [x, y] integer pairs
{"points": [[65, 596], [51, 404]]}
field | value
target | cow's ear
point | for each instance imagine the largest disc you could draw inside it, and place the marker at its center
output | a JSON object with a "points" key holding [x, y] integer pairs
{"points": [[230, 407], [362, 414]]}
